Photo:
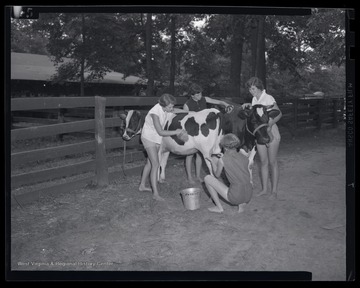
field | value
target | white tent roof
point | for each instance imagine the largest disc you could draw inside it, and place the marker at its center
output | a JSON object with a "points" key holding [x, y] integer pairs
{"points": [[25, 66]]}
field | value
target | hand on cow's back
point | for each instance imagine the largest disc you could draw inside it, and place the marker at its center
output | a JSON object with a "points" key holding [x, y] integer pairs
{"points": [[183, 135]]}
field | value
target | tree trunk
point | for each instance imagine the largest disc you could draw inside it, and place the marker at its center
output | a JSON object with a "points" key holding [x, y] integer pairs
{"points": [[254, 42], [148, 43], [260, 58], [258, 61], [173, 56], [236, 57], [82, 80]]}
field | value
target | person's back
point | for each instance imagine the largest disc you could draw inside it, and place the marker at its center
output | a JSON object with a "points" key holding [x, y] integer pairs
{"points": [[238, 175]]}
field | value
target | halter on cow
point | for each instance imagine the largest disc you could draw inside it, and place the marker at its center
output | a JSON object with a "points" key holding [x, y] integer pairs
{"points": [[132, 125]]}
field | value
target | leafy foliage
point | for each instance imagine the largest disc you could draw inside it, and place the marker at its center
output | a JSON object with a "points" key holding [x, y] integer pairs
{"points": [[303, 53]]}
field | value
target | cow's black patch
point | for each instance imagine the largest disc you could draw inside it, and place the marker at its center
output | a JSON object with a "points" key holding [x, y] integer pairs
{"points": [[175, 124], [211, 120], [210, 123], [192, 127], [204, 129]]}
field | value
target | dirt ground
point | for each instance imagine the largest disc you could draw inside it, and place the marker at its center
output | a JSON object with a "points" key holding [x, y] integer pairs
{"points": [[118, 228]]}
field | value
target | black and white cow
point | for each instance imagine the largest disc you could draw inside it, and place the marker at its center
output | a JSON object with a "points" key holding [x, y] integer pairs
{"points": [[205, 129], [132, 124]]}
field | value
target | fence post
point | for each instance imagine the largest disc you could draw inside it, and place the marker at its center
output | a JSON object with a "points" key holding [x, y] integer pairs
{"points": [[61, 119], [320, 107], [335, 108], [295, 113], [101, 169], [116, 114]]}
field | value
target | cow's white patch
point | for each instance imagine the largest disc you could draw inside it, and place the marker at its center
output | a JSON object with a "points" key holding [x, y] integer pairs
{"points": [[260, 111], [128, 117], [127, 122]]}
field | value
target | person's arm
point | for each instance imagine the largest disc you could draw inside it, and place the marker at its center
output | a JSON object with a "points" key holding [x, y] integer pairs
{"points": [[246, 105], [217, 165], [186, 107], [272, 121], [161, 131], [178, 110], [216, 102]]}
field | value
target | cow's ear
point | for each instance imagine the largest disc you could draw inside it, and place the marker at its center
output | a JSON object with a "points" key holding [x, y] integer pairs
{"points": [[122, 116]]}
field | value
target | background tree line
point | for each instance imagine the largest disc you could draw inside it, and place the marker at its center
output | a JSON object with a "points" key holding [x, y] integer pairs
{"points": [[293, 55]]}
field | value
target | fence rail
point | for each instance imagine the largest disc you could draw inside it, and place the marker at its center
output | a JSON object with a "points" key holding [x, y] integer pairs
{"points": [[297, 114]]}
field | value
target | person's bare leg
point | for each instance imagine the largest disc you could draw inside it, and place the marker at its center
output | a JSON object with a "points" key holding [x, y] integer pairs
{"points": [[144, 176], [264, 168], [274, 167], [216, 187], [154, 159]]}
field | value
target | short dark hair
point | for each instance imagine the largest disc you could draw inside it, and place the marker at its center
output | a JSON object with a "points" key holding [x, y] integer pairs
{"points": [[255, 81], [166, 99], [195, 89], [230, 141]]}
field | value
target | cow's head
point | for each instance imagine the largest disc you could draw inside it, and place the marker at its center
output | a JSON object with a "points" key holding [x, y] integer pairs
{"points": [[248, 124], [132, 124], [257, 123]]}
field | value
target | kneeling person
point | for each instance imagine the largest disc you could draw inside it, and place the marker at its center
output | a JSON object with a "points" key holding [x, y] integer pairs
{"points": [[235, 165]]}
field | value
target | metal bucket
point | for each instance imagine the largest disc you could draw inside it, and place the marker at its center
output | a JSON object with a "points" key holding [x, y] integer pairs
{"points": [[191, 198]]}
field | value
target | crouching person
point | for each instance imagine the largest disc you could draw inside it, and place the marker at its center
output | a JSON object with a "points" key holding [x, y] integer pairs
{"points": [[235, 165]]}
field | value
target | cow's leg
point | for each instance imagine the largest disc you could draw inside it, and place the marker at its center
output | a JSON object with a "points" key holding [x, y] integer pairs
{"points": [[163, 161]]}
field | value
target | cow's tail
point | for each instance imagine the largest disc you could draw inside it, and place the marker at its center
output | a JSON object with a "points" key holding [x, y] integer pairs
{"points": [[216, 148]]}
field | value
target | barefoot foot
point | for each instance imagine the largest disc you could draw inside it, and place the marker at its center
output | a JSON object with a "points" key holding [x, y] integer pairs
{"points": [[273, 196], [144, 189], [261, 193], [215, 209], [241, 207], [199, 179], [158, 198]]}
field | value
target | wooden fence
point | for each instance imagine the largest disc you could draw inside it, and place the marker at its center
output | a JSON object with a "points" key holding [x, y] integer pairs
{"points": [[301, 114], [297, 114]]}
